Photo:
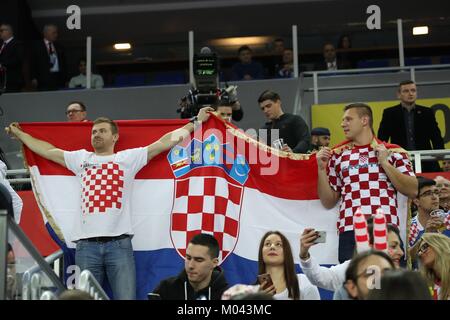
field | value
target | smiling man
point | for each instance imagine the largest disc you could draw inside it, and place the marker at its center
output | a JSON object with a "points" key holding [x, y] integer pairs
{"points": [[362, 172], [201, 278], [103, 230]]}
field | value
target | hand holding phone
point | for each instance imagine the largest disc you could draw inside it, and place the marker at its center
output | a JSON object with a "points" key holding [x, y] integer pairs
{"points": [[266, 280], [322, 237]]}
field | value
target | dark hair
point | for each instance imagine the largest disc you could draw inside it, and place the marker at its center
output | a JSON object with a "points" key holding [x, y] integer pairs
{"points": [[289, 267], [390, 228], [401, 285], [8, 25], [244, 48], [81, 104], [341, 38], [352, 271], [9, 247], [268, 95], [207, 240], [113, 125], [404, 83], [424, 182], [253, 296], [363, 110], [279, 40]]}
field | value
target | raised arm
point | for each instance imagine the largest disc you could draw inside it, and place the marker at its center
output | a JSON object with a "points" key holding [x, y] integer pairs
{"points": [[40, 147], [171, 139], [403, 183], [328, 197]]}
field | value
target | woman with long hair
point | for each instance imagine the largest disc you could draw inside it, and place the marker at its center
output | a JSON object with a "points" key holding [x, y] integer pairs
{"points": [[275, 258], [434, 256]]}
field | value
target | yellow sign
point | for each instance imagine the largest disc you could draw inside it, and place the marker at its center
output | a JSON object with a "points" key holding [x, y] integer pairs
{"points": [[330, 116]]}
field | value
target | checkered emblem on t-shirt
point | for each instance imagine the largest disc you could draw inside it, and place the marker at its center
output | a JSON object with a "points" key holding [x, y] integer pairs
{"points": [[413, 232], [206, 205], [102, 188]]}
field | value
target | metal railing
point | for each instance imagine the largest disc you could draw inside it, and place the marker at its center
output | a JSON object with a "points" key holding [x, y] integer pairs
{"points": [[412, 70], [48, 295], [89, 284]]}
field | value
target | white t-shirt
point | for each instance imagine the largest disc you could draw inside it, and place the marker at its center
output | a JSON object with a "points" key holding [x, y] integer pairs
{"points": [[307, 290], [106, 187], [16, 200]]}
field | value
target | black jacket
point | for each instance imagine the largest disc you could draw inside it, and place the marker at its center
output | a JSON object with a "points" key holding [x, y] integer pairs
{"points": [[427, 135], [11, 58], [179, 288], [293, 130]]}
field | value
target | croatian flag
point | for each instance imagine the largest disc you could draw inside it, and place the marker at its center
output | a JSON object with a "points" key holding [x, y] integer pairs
{"points": [[220, 181]]}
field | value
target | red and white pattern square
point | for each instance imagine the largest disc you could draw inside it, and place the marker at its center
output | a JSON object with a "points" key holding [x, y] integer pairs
{"points": [[102, 188], [206, 205], [362, 183]]}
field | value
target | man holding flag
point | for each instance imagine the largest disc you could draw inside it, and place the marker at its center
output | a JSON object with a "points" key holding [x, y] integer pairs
{"points": [[102, 230], [363, 172]]}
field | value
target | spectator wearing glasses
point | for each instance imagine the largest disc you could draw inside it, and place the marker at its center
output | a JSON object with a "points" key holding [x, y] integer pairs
{"points": [[76, 112], [429, 218], [434, 255], [275, 258]]}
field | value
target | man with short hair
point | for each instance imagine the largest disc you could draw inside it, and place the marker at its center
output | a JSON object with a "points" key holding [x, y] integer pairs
{"points": [[427, 203], [11, 59], [320, 137], [291, 128], [330, 61], [411, 126], [76, 112], [48, 61], [246, 69], [103, 231], [362, 172], [201, 278], [80, 80]]}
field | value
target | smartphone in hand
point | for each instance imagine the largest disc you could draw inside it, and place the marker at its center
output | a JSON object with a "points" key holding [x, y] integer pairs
{"points": [[265, 277], [322, 238]]}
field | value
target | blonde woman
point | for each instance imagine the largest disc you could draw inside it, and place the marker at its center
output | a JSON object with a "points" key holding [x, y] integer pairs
{"points": [[434, 256]]}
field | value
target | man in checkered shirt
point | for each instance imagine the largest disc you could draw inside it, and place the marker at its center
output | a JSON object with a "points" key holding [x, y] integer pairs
{"points": [[103, 232], [362, 172]]}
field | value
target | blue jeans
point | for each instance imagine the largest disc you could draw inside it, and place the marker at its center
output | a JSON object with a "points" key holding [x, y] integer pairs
{"points": [[114, 259]]}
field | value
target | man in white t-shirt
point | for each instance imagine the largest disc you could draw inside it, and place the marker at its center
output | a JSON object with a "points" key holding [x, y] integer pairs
{"points": [[103, 232]]}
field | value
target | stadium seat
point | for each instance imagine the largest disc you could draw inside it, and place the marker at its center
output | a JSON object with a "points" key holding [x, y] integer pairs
{"points": [[417, 61], [130, 80], [163, 78], [379, 63]]}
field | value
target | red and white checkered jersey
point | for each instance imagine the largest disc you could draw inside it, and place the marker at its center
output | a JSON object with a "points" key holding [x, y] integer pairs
{"points": [[106, 185], [362, 182]]}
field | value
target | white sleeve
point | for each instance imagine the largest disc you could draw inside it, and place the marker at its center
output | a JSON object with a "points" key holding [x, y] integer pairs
{"points": [[16, 200], [136, 158], [327, 278], [74, 159], [308, 291]]}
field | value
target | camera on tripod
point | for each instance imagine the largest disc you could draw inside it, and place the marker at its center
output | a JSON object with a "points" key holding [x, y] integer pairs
{"points": [[206, 92]]}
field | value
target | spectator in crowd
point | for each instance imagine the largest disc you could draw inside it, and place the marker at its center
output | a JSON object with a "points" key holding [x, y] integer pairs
{"points": [[446, 165], [332, 278], [428, 217], [286, 69], [275, 258], [443, 185], [80, 80], [201, 278], [320, 137], [11, 286], [433, 253], [48, 61], [363, 270], [343, 174], [76, 112], [401, 285], [292, 129], [247, 69], [75, 294], [103, 234], [17, 202], [229, 108], [343, 55], [411, 126], [330, 62], [276, 61], [11, 59]]}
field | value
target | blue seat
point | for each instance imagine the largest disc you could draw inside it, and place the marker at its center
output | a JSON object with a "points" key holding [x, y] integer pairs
{"points": [[445, 60], [417, 61], [169, 77], [130, 80], [378, 63]]}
